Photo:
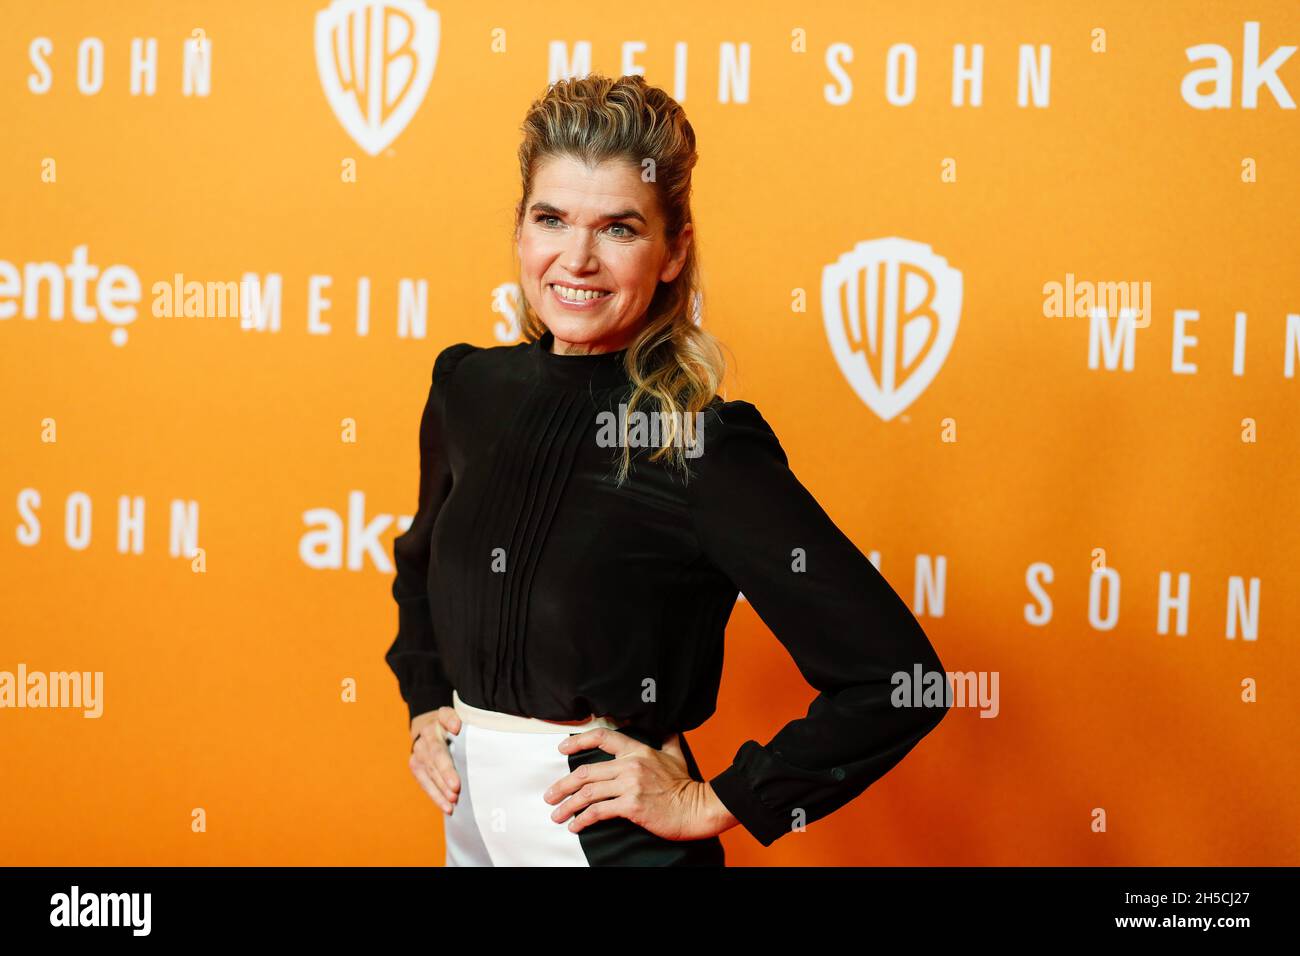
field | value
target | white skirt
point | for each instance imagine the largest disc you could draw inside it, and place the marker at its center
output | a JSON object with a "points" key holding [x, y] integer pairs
{"points": [[506, 762]]}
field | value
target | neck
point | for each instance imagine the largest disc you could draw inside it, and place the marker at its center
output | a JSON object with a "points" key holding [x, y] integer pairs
{"points": [[579, 369]]}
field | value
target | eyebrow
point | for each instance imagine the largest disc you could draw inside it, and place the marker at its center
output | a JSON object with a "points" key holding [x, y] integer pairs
{"points": [[554, 211]]}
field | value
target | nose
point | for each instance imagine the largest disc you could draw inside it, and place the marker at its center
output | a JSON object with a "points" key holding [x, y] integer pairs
{"points": [[579, 252]]}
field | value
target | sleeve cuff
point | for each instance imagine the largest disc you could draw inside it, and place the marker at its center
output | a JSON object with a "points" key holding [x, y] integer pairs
{"points": [[425, 699], [763, 822]]}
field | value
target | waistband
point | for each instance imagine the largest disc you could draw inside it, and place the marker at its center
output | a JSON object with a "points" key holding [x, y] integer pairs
{"points": [[496, 720]]}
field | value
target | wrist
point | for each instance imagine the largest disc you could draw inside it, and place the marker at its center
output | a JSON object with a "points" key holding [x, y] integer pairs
{"points": [[720, 818], [420, 721]]}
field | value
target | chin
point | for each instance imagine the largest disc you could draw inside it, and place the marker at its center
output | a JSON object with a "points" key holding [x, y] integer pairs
{"points": [[577, 330]]}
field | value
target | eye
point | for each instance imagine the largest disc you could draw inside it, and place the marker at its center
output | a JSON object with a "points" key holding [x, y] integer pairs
{"points": [[622, 225], [544, 215]]}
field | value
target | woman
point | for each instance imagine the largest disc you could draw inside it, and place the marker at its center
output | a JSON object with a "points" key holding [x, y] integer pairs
{"points": [[565, 584]]}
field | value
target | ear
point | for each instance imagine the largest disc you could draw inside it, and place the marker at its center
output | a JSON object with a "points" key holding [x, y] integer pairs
{"points": [[678, 257]]}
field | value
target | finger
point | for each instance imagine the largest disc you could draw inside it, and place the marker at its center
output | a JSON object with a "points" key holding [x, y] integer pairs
{"points": [[448, 718], [602, 770], [432, 789], [602, 810], [603, 738], [432, 753], [585, 796], [439, 764]]}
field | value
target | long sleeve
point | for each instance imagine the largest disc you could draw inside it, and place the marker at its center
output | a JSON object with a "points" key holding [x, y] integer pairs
{"points": [[845, 627], [413, 656]]}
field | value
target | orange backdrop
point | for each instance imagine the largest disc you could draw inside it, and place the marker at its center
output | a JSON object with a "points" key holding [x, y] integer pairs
{"points": [[1014, 476]]}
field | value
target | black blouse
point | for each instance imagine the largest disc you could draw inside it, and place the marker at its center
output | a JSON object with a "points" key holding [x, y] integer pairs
{"points": [[533, 584]]}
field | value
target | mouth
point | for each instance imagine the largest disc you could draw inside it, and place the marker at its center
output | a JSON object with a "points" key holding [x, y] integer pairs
{"points": [[577, 298]]}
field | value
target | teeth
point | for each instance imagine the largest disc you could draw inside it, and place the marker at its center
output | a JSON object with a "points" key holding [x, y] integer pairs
{"points": [[578, 295]]}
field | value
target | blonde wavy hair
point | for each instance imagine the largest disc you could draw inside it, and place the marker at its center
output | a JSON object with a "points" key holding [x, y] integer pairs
{"points": [[674, 365]]}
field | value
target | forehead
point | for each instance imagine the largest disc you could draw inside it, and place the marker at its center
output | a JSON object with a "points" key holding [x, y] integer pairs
{"points": [[613, 185]]}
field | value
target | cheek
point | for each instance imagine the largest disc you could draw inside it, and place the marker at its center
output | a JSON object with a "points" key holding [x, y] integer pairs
{"points": [[533, 257], [636, 272]]}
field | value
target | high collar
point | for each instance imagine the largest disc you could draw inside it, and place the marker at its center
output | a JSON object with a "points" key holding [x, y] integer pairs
{"points": [[602, 370]]}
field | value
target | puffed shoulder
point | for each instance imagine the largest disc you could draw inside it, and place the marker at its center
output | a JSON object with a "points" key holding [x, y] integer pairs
{"points": [[447, 361], [737, 419], [736, 429]]}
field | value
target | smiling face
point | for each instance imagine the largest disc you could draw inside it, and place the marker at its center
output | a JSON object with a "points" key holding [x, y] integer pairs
{"points": [[596, 229]]}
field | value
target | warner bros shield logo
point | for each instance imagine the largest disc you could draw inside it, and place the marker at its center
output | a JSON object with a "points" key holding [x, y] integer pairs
{"points": [[891, 308], [375, 59]]}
